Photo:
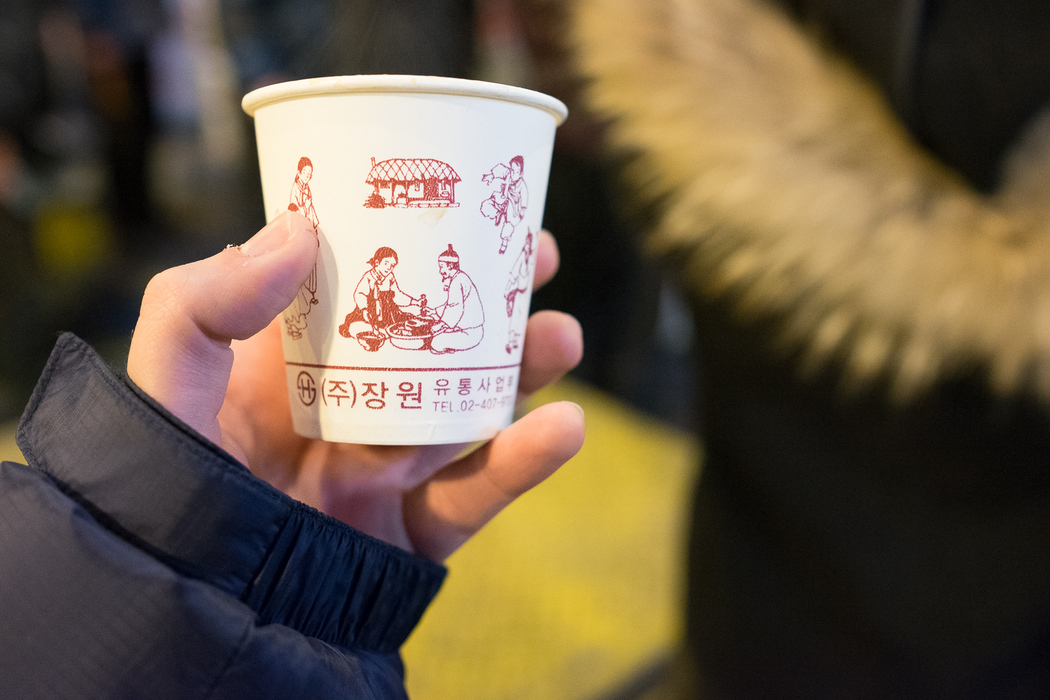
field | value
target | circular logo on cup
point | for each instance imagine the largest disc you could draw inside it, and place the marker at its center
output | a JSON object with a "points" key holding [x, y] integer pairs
{"points": [[304, 384]]}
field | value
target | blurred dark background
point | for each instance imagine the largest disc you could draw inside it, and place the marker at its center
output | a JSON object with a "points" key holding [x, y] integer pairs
{"points": [[123, 151]]}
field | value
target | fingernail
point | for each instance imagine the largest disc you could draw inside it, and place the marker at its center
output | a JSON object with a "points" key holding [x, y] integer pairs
{"points": [[269, 238]]}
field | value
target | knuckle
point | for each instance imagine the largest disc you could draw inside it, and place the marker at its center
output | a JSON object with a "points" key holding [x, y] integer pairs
{"points": [[162, 293]]}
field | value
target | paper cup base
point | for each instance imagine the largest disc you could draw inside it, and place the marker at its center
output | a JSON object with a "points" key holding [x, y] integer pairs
{"points": [[429, 433], [365, 406]]}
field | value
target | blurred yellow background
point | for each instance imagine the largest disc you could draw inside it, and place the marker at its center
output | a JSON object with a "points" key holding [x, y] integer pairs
{"points": [[575, 589]]}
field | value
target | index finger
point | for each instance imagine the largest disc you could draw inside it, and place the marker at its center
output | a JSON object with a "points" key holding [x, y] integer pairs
{"points": [[446, 510]]}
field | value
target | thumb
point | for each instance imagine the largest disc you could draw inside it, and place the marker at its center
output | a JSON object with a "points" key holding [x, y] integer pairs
{"points": [[180, 352]]}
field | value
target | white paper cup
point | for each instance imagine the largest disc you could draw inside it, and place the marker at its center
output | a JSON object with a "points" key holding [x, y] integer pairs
{"points": [[419, 187]]}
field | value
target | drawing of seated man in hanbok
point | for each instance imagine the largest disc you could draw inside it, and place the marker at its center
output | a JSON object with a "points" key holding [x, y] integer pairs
{"points": [[379, 302], [507, 204], [461, 319], [517, 286], [301, 200]]}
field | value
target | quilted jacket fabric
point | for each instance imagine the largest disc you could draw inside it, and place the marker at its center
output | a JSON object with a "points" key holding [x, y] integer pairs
{"points": [[139, 560]]}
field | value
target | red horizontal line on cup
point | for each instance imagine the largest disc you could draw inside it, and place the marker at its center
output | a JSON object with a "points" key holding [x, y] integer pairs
{"points": [[403, 369]]}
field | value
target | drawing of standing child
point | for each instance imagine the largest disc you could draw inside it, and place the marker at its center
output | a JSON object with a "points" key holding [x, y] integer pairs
{"points": [[301, 200]]}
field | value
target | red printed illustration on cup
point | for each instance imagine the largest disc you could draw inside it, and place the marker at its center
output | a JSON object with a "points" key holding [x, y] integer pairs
{"points": [[517, 286], [426, 182], [509, 199], [384, 313], [411, 182], [301, 200]]}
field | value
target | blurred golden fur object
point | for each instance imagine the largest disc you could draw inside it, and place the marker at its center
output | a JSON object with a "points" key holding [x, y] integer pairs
{"points": [[787, 185]]}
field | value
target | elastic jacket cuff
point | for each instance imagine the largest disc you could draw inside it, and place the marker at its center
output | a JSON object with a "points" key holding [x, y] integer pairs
{"points": [[144, 474]]}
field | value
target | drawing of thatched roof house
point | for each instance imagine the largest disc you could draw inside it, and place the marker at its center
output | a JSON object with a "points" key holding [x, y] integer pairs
{"points": [[412, 182]]}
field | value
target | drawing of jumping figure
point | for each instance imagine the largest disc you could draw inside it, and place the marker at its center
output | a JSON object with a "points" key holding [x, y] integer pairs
{"points": [[507, 204]]}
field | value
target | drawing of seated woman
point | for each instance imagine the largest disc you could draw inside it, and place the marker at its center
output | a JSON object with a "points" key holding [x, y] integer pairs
{"points": [[380, 303]]}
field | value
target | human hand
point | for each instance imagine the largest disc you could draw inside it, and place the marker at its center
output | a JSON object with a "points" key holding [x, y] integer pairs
{"points": [[208, 348]]}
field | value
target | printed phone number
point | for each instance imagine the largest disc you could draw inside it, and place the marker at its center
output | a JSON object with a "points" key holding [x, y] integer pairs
{"points": [[470, 405]]}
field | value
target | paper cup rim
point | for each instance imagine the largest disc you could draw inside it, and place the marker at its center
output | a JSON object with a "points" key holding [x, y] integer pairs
{"points": [[346, 84]]}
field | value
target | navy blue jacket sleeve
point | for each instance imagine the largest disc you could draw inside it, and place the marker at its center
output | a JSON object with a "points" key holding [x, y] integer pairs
{"points": [[139, 560]]}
